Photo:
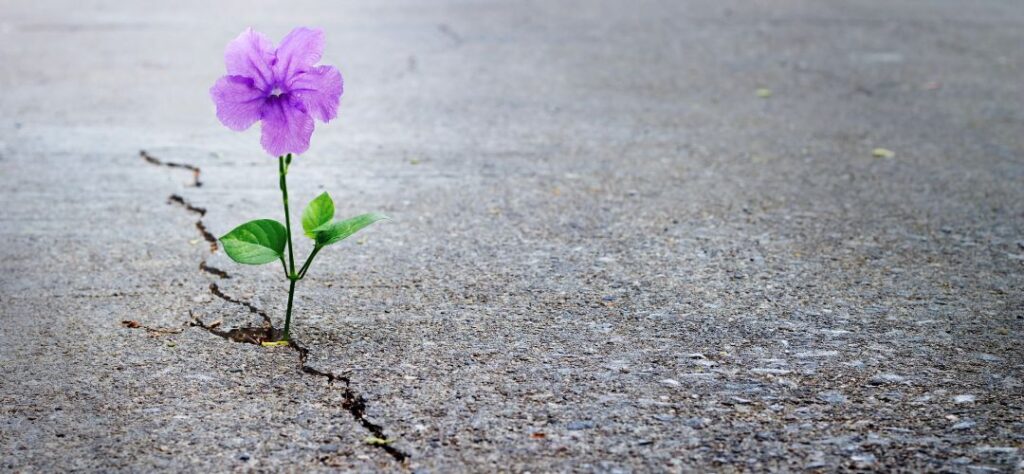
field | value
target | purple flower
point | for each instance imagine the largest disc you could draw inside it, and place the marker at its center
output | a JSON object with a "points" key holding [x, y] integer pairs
{"points": [[283, 87]]}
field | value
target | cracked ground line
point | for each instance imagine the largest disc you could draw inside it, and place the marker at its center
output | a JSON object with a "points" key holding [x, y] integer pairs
{"points": [[354, 403]]}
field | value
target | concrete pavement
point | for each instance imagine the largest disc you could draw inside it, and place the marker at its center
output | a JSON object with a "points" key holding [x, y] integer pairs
{"points": [[626, 237]]}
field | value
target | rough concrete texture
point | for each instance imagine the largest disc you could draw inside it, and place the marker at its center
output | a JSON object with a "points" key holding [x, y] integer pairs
{"points": [[609, 250]]}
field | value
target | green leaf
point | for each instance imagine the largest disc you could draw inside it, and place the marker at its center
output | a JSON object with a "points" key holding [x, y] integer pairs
{"points": [[375, 441], [883, 153], [256, 242], [319, 212], [337, 231]]}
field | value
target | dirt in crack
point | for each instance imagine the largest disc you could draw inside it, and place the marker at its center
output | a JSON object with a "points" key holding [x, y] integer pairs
{"points": [[354, 403], [251, 335], [180, 200], [213, 270]]}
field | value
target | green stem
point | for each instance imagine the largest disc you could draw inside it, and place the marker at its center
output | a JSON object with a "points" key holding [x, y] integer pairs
{"points": [[287, 219], [302, 272], [288, 318], [283, 172]]}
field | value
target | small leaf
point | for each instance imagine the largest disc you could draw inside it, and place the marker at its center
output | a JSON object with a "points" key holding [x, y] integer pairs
{"points": [[375, 441], [764, 93], [256, 242], [319, 212], [883, 153], [274, 343], [337, 231]]}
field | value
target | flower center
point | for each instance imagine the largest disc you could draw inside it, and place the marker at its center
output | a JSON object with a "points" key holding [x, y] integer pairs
{"points": [[276, 92]]}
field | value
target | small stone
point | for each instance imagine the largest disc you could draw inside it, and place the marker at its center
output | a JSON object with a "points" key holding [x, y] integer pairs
{"points": [[698, 374], [832, 397], [579, 425], [770, 371], [856, 364], [1009, 450], [988, 357], [816, 354], [965, 425], [329, 448], [977, 469], [882, 379], [965, 398], [863, 460], [243, 457], [764, 436], [696, 422], [671, 382]]}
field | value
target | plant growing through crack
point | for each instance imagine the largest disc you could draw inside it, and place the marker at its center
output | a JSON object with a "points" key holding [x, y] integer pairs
{"points": [[285, 90]]}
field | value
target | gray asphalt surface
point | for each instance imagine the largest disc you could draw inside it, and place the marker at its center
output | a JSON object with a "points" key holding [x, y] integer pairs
{"points": [[626, 237]]}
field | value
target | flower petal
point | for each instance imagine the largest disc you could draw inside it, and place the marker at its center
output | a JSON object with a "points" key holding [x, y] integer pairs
{"points": [[251, 55], [300, 50], [287, 126], [320, 90], [238, 101]]}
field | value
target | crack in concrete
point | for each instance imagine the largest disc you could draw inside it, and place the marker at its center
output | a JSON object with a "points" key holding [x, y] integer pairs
{"points": [[447, 31], [354, 403], [251, 307], [251, 335], [207, 235], [158, 162], [213, 270], [180, 200], [132, 324]]}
